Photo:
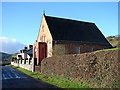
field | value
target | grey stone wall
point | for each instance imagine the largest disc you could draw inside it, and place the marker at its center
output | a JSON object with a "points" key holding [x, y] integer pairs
{"points": [[26, 65]]}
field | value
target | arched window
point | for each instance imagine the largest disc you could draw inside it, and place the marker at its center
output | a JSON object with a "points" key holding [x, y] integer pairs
{"points": [[42, 28]]}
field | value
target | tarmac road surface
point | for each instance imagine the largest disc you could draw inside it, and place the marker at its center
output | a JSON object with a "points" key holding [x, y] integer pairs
{"points": [[13, 78]]}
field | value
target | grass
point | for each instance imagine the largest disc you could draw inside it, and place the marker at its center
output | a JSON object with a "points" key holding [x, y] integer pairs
{"points": [[108, 49], [57, 81], [8, 65]]}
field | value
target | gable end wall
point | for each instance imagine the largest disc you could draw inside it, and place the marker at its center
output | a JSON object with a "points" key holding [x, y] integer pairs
{"points": [[45, 36]]}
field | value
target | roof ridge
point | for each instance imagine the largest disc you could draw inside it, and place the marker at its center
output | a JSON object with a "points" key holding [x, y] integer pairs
{"points": [[70, 19]]}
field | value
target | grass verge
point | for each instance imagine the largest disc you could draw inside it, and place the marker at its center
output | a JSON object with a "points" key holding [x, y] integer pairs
{"points": [[8, 65], [108, 49], [57, 81]]}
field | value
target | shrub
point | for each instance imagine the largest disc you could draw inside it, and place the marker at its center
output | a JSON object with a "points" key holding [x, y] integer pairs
{"points": [[96, 69], [13, 58]]}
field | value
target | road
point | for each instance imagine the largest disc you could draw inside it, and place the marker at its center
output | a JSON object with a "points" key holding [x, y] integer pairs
{"points": [[13, 78]]}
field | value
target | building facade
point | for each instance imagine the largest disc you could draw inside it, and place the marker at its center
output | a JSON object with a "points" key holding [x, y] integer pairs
{"points": [[75, 37], [26, 53]]}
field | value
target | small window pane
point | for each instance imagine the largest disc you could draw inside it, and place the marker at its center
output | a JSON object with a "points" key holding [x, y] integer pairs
{"points": [[77, 50], [90, 49]]}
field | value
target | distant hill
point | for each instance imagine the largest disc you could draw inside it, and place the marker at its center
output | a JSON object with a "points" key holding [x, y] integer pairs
{"points": [[5, 56], [114, 40], [14, 55], [117, 35]]}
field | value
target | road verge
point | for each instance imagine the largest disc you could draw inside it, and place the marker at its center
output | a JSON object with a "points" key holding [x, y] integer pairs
{"points": [[57, 81]]}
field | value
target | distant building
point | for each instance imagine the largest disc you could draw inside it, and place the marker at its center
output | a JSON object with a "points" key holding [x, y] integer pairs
{"points": [[76, 36], [26, 53]]}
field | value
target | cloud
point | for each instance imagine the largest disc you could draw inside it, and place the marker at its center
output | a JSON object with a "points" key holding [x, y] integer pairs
{"points": [[3, 38], [11, 45], [14, 40]]}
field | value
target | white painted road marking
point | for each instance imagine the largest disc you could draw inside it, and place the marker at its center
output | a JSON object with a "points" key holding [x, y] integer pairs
{"points": [[9, 73]]}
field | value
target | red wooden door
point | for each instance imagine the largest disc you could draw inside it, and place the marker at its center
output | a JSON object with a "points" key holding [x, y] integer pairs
{"points": [[42, 51]]}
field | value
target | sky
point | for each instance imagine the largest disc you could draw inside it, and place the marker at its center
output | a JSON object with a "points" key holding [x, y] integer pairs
{"points": [[21, 20]]}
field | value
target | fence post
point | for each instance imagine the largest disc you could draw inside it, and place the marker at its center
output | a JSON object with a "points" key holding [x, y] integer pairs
{"points": [[33, 65], [24, 61], [17, 61], [28, 60]]}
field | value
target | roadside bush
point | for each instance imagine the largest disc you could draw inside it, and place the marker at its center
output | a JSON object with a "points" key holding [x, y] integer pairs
{"points": [[13, 58], [96, 69]]}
